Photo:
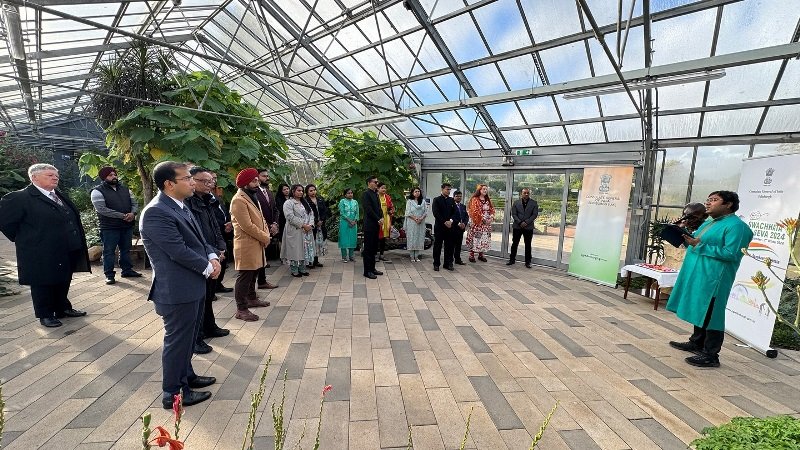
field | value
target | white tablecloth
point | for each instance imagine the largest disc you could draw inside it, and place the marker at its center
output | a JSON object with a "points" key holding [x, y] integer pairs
{"points": [[664, 279]]}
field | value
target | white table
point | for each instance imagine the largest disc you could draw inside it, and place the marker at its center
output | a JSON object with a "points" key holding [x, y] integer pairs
{"points": [[655, 279]]}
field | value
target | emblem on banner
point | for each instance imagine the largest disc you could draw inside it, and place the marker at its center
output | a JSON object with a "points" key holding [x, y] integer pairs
{"points": [[768, 179], [604, 180]]}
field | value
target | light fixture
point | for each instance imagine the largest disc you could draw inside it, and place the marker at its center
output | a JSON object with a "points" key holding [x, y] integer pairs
{"points": [[647, 84], [16, 44], [375, 123]]}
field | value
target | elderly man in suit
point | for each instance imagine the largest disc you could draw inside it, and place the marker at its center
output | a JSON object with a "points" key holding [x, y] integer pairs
{"points": [[524, 211], [51, 245], [182, 261]]}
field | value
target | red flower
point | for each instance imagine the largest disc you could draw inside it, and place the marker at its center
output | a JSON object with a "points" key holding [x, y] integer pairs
{"points": [[163, 439], [326, 389], [177, 406]]}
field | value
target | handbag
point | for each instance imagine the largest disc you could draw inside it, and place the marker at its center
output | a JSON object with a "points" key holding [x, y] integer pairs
{"points": [[393, 233]]}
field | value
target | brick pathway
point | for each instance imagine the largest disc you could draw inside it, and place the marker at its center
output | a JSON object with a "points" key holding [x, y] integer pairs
{"points": [[415, 347]]}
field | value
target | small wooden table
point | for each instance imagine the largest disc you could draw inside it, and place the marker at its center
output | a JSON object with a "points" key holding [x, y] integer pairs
{"points": [[655, 280]]}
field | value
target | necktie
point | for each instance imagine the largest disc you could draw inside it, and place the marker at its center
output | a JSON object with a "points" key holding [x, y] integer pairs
{"points": [[55, 198]]}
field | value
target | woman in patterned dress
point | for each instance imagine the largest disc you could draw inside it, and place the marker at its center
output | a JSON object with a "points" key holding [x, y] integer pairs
{"points": [[348, 225], [298, 235], [481, 215], [387, 208], [416, 210]]}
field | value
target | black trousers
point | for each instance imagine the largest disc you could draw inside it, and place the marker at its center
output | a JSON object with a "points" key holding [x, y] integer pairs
{"points": [[708, 340], [181, 326], [528, 235], [50, 299], [244, 291], [207, 313], [224, 263], [261, 276], [442, 236], [370, 247], [458, 239]]}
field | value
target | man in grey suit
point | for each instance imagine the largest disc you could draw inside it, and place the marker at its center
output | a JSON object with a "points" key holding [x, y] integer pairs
{"points": [[182, 261], [524, 211]]}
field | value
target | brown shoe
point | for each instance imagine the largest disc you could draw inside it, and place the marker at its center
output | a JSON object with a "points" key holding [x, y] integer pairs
{"points": [[246, 315], [267, 285], [257, 304]]}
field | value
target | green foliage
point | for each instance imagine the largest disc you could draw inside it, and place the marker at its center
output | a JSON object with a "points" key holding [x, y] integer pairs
{"points": [[91, 226], [226, 136], [783, 336], [14, 162], [750, 433], [352, 157]]}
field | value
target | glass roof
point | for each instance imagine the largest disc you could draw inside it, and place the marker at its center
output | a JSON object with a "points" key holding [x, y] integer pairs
{"points": [[311, 66]]}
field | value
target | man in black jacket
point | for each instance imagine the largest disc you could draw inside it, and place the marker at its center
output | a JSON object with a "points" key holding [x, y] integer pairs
{"points": [[45, 227], [116, 211], [459, 226], [269, 208], [200, 205], [373, 219], [223, 216], [524, 211], [445, 214]]}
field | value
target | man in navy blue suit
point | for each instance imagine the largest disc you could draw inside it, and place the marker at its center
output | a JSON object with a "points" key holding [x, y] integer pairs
{"points": [[459, 227], [182, 261]]}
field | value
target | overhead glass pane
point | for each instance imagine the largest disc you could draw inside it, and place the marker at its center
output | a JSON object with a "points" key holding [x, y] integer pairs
{"points": [[680, 96], [374, 64], [409, 128], [519, 138], [520, 72], [539, 110], [782, 119], [328, 10], [444, 143], [472, 119], [450, 86], [401, 18], [462, 38], [741, 84], [578, 108], [618, 104], [550, 136], [505, 115], [502, 26], [351, 38], [735, 122], [624, 130], [790, 81], [717, 168], [605, 11], [487, 140], [561, 18], [566, 63], [756, 24], [329, 47], [485, 79], [299, 14], [400, 58], [677, 167], [661, 5], [430, 56], [424, 145], [774, 149], [632, 58], [354, 73], [669, 37], [426, 91], [678, 126], [427, 124], [449, 119], [586, 133], [438, 8], [466, 142]]}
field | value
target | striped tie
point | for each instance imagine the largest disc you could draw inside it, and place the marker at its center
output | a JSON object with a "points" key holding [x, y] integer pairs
{"points": [[55, 198]]}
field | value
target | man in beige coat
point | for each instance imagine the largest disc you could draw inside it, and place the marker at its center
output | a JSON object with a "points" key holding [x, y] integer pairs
{"points": [[250, 238]]}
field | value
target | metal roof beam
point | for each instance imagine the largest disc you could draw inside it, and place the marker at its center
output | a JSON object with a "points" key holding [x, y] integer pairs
{"points": [[76, 2]]}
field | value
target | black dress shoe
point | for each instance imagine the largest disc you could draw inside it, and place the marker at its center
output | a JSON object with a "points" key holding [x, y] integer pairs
{"points": [[435, 268], [510, 263], [131, 274], [703, 361], [686, 346], [71, 313], [110, 280], [318, 264], [50, 322], [370, 275], [223, 289], [201, 348], [217, 332], [461, 263], [451, 268], [528, 265], [189, 398], [297, 275], [201, 382], [377, 272]]}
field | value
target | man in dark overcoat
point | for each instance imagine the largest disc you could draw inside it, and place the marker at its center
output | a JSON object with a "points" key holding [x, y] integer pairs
{"points": [[46, 229]]}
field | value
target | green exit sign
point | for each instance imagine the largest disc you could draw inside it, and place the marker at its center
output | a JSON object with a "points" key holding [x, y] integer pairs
{"points": [[526, 152]]}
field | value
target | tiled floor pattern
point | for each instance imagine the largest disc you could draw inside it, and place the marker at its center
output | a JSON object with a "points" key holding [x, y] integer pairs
{"points": [[416, 347]]}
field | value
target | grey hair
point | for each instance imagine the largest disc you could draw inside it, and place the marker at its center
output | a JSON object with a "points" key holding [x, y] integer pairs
{"points": [[40, 167]]}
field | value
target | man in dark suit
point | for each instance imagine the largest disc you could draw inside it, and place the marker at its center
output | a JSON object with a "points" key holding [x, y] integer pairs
{"points": [[182, 261], [373, 219], [223, 216], [200, 205], [269, 208], [524, 211], [51, 245], [459, 227], [445, 214]]}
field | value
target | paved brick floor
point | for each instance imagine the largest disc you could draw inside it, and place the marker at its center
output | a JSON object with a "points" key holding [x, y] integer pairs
{"points": [[416, 347]]}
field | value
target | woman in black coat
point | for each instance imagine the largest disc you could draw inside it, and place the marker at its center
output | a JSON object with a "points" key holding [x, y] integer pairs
{"points": [[321, 214]]}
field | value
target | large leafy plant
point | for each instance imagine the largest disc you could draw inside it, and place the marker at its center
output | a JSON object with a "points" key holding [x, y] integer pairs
{"points": [[352, 157], [205, 122]]}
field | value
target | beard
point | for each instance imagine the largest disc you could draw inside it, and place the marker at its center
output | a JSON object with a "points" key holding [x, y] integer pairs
{"points": [[113, 182]]}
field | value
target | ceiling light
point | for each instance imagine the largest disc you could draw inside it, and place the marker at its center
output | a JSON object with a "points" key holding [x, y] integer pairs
{"points": [[379, 122], [647, 84]]}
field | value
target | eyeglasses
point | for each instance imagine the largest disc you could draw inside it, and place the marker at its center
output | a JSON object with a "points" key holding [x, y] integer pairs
{"points": [[207, 182], [186, 178]]}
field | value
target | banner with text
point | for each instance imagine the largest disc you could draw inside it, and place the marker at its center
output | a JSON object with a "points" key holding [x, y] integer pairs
{"points": [[603, 209], [768, 193]]}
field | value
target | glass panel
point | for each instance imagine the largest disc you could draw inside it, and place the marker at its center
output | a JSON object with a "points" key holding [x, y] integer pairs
{"points": [[505, 114], [539, 110], [573, 193], [520, 72], [675, 180], [723, 123], [680, 96], [773, 149], [497, 194], [502, 26], [756, 24], [634, 50], [566, 63], [624, 130], [790, 81], [548, 191], [670, 44], [561, 18], [462, 38], [683, 125], [438, 8], [717, 168], [519, 138], [466, 142], [578, 108], [617, 104], [485, 79], [586, 133], [751, 83], [550, 136], [781, 119]]}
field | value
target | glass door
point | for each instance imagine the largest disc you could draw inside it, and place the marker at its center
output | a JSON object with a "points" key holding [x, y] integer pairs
{"points": [[497, 183], [548, 191], [571, 219]]}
